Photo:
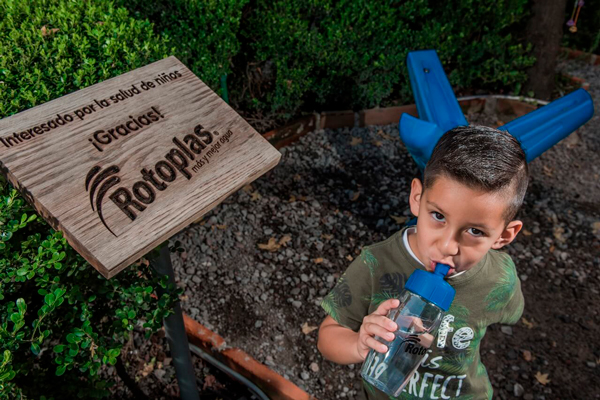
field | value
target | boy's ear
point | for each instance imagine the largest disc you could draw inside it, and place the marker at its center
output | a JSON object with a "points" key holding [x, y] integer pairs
{"points": [[416, 190], [508, 235]]}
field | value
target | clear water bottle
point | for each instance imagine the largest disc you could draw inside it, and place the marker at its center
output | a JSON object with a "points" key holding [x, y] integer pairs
{"points": [[423, 303]]}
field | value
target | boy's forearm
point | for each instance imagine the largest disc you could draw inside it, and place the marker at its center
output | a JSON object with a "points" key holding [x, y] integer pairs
{"points": [[339, 344]]}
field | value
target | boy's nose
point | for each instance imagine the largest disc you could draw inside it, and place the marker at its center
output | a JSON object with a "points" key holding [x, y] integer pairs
{"points": [[449, 245]]}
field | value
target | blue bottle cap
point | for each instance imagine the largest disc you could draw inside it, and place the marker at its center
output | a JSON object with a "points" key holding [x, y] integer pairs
{"points": [[432, 286]]}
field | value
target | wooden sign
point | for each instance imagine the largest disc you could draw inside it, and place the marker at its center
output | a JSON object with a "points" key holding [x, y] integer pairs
{"points": [[123, 165]]}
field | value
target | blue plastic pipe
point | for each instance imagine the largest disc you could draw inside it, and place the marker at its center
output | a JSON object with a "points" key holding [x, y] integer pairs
{"points": [[543, 128]]}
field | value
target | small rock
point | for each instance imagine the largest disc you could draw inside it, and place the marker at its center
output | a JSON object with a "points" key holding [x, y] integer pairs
{"points": [[507, 330], [314, 367], [304, 278], [196, 279], [258, 324], [518, 390], [591, 364], [297, 303], [305, 375]]}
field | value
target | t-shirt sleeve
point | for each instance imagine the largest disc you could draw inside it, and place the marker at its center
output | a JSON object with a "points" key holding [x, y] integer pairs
{"points": [[349, 300], [513, 310]]}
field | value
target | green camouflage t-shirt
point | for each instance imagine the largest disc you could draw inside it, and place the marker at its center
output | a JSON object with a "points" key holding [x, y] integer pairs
{"points": [[488, 293]]}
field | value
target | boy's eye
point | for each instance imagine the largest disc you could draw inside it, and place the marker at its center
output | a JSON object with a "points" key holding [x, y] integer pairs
{"points": [[437, 216], [476, 232]]}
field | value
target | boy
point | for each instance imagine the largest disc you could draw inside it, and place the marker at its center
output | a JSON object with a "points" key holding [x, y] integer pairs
{"points": [[472, 188]]}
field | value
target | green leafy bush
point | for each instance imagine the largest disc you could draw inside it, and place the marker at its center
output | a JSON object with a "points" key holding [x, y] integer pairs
{"points": [[203, 33], [60, 320], [325, 54]]}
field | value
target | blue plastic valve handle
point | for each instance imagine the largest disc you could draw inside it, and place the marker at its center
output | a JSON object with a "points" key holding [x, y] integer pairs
{"points": [[439, 112], [543, 128], [433, 94]]}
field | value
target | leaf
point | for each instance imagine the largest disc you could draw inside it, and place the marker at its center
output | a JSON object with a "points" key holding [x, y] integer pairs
{"points": [[377, 143], [527, 355], [349, 257], [35, 348], [355, 196], [284, 240], [355, 141], [59, 348], [271, 246], [542, 378], [318, 260], [385, 135], [21, 306], [526, 232], [221, 227], [306, 329], [399, 220], [60, 370], [292, 199], [528, 324], [254, 196], [326, 237]]}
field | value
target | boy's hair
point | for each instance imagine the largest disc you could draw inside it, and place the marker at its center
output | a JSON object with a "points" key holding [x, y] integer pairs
{"points": [[481, 158]]}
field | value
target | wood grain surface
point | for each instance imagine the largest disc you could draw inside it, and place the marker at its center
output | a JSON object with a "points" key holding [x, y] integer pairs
{"points": [[121, 166]]}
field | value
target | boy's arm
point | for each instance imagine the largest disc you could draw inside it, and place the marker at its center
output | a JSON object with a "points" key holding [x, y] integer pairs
{"points": [[344, 346], [338, 343]]}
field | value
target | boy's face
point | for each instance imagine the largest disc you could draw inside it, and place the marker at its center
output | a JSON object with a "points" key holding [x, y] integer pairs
{"points": [[457, 225]]}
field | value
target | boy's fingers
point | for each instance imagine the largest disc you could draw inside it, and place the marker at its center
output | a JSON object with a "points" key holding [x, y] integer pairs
{"points": [[374, 344], [387, 306], [382, 321], [375, 329]]}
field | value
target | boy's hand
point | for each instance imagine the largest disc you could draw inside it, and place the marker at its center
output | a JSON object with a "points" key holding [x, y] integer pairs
{"points": [[377, 324]]}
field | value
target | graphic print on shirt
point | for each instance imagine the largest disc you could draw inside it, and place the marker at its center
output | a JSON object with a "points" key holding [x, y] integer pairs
{"points": [[339, 297], [369, 260], [502, 294]]}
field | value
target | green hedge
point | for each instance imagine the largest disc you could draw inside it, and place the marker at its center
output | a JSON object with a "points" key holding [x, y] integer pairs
{"points": [[60, 320], [326, 54], [203, 33]]}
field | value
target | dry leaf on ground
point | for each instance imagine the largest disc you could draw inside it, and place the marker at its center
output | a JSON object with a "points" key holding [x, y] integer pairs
{"points": [[526, 232], [326, 237], [255, 196], [355, 196], [377, 143], [399, 220], [542, 378], [318, 260], [248, 188], [385, 135], [222, 227], [527, 355], [306, 329], [527, 323], [271, 246], [292, 199], [355, 141], [596, 228], [285, 239]]}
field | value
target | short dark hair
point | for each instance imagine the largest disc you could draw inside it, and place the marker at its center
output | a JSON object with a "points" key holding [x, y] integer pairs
{"points": [[481, 158]]}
